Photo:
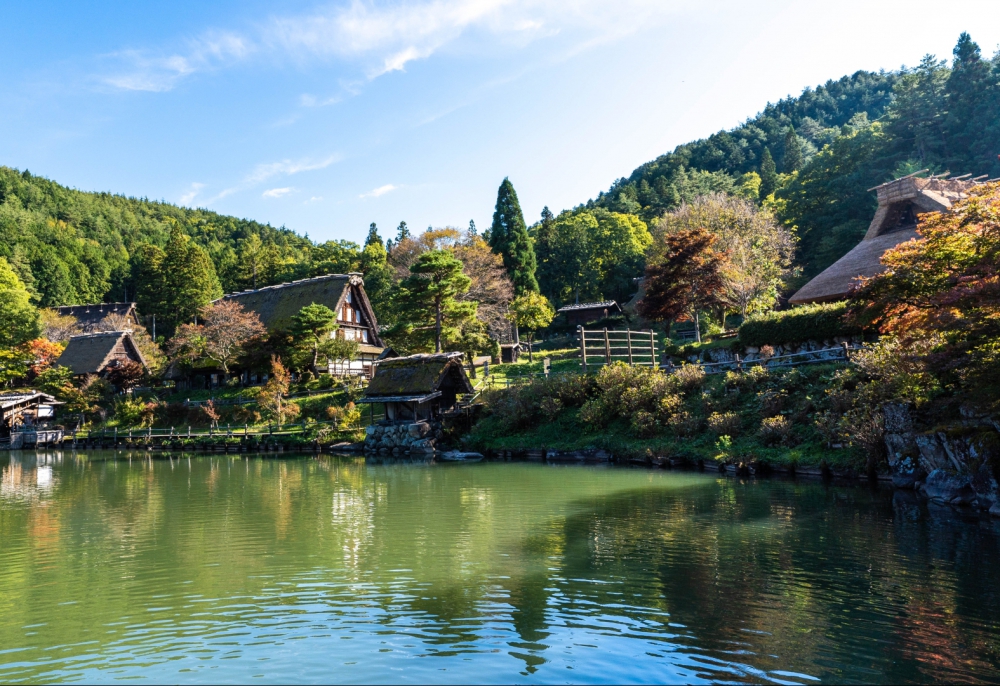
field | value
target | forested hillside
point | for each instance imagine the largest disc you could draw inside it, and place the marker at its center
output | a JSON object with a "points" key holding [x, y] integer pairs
{"points": [[813, 158]]}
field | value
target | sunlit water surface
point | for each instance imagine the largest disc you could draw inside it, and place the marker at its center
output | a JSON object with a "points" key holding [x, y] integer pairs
{"points": [[331, 569]]}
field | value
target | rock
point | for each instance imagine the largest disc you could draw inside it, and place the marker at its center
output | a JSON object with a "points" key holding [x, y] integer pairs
{"points": [[943, 487], [370, 430], [418, 429], [906, 472], [995, 510]]}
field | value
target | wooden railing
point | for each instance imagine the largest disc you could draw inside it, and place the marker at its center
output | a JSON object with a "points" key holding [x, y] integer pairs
{"points": [[604, 346]]}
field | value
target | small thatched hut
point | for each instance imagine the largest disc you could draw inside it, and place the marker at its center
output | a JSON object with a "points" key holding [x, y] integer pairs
{"points": [[895, 221], [418, 387], [582, 314], [342, 293], [90, 317], [96, 353]]}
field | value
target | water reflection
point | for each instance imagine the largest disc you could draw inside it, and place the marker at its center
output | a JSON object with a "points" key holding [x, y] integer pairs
{"points": [[334, 569]]}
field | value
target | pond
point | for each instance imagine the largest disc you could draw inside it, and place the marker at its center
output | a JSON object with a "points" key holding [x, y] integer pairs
{"points": [[333, 569]]}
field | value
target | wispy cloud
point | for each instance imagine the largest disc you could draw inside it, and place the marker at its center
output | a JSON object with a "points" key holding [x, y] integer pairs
{"points": [[276, 192], [191, 194], [263, 172], [380, 191], [380, 38]]}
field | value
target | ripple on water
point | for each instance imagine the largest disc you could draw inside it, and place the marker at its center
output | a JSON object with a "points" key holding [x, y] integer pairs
{"points": [[228, 569]]}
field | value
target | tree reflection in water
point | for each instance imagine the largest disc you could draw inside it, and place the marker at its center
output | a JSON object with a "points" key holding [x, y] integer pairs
{"points": [[337, 568]]}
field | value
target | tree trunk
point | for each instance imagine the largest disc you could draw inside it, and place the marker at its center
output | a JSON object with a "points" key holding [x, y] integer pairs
{"points": [[531, 358], [315, 367], [697, 327]]}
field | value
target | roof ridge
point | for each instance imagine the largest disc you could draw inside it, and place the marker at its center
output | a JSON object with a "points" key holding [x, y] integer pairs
{"points": [[276, 286]]}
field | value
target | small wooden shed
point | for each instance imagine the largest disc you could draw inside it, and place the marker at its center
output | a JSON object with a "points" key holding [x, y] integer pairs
{"points": [[96, 353], [582, 314], [418, 387], [25, 409]]}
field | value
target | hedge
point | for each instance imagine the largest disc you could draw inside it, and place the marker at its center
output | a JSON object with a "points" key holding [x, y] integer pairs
{"points": [[805, 323]]}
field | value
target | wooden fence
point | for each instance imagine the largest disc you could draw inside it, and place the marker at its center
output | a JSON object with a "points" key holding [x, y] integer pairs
{"points": [[602, 346], [840, 353]]}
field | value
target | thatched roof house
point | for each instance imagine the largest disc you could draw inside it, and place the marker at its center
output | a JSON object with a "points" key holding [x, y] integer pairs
{"points": [[342, 293], [895, 221], [90, 316], [96, 353], [581, 314], [419, 386]]}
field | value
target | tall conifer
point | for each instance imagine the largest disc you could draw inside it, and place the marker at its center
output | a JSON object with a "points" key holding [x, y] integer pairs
{"points": [[793, 151], [509, 239], [768, 174]]}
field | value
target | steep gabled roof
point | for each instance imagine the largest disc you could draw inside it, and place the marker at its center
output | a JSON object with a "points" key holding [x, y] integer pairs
{"points": [[276, 305], [895, 221], [90, 353], [90, 315], [417, 375]]}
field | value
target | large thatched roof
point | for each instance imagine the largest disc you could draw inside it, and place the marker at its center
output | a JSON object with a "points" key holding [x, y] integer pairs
{"points": [[580, 307], [276, 305], [90, 315], [895, 221], [90, 353], [417, 376]]}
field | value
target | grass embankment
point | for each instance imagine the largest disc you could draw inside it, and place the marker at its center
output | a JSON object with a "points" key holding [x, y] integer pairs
{"points": [[782, 417]]}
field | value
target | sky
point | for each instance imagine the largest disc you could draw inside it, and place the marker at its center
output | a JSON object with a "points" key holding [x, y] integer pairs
{"points": [[325, 117]]}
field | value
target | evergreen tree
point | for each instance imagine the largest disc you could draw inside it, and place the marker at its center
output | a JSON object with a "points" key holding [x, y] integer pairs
{"points": [[429, 308], [970, 91], [402, 232], [373, 236], [793, 151], [768, 175], [311, 327], [472, 228], [509, 239], [378, 280]]}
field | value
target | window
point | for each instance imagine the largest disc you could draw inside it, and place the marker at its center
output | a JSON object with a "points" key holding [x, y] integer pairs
{"points": [[364, 335]]}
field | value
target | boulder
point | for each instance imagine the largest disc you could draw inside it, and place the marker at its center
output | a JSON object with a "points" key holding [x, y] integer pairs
{"points": [[459, 456], [418, 429], [943, 487], [906, 472]]}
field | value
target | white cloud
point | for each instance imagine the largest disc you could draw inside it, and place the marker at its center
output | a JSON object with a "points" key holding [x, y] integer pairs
{"points": [[262, 172], [191, 194], [383, 37], [380, 191], [276, 192]]}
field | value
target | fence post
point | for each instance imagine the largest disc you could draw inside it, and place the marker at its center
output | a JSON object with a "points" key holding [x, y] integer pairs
{"points": [[739, 362], [583, 347], [847, 351], [628, 337], [652, 348], [607, 347]]}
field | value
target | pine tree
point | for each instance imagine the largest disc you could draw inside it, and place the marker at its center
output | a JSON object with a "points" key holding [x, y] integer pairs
{"points": [[793, 151], [188, 280], [472, 228], [970, 91], [509, 239], [373, 236], [768, 174], [402, 232], [429, 308]]}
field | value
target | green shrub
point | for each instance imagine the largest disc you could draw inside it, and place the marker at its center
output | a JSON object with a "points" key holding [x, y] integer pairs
{"points": [[809, 322], [774, 430], [724, 423]]}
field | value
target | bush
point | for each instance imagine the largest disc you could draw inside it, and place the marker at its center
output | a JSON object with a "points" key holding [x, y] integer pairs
{"points": [[689, 377], [807, 322], [644, 423], [774, 430], [724, 423]]}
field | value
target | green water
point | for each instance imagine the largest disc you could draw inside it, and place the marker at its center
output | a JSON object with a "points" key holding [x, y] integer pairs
{"points": [[331, 569]]}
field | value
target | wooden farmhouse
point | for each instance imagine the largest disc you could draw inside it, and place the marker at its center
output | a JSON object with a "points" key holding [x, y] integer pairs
{"points": [[98, 353], [20, 410], [342, 293], [582, 314], [895, 221], [418, 387], [91, 317]]}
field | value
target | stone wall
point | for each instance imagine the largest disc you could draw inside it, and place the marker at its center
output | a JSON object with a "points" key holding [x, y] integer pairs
{"points": [[751, 353], [403, 438]]}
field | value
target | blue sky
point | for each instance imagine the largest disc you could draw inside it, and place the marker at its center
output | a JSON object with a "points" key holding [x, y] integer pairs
{"points": [[324, 117]]}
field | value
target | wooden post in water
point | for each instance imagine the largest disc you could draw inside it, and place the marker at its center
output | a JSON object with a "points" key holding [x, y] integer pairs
{"points": [[583, 348], [628, 337]]}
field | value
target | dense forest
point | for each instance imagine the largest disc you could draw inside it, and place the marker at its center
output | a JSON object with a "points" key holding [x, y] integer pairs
{"points": [[814, 157], [808, 160]]}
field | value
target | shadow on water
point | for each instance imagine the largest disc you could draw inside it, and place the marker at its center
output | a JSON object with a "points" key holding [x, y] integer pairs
{"points": [[337, 568]]}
